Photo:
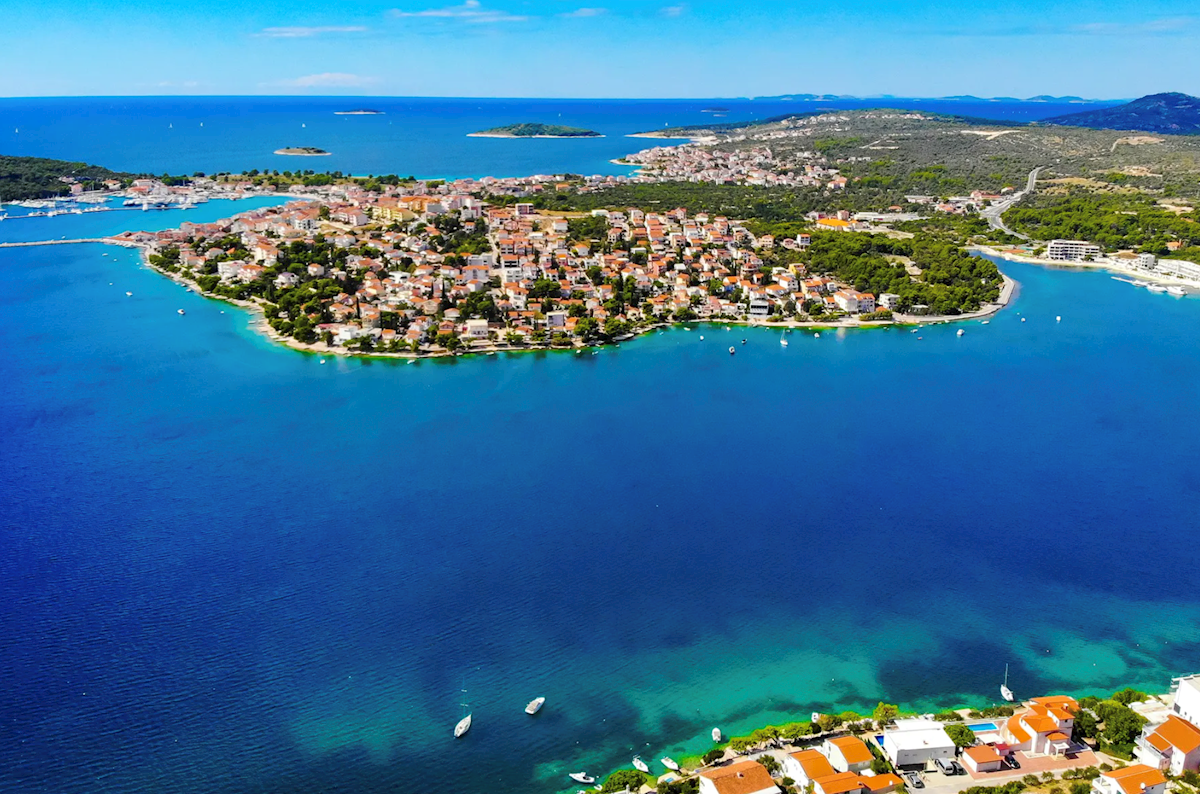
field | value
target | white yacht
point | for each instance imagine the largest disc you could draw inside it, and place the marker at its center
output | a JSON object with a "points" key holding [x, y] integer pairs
{"points": [[639, 764], [181, 312], [1005, 692], [1156, 288], [581, 777], [669, 763], [1178, 292], [782, 341], [961, 332], [535, 705], [462, 727]]}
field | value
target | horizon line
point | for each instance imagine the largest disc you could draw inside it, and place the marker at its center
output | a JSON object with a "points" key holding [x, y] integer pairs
{"points": [[1037, 99]]}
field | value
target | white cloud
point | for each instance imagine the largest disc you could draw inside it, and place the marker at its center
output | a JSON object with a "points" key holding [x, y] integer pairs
{"points": [[327, 80], [673, 11], [582, 13], [1153, 26], [299, 32], [472, 12]]}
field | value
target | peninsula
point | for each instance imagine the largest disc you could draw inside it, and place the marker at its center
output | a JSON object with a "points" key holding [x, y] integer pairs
{"points": [[530, 130], [302, 151]]}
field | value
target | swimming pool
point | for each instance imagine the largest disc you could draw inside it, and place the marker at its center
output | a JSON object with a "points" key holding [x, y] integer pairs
{"points": [[984, 727]]}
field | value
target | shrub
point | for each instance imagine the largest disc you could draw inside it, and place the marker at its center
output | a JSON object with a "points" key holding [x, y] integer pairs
{"points": [[713, 755], [1080, 787], [948, 716]]}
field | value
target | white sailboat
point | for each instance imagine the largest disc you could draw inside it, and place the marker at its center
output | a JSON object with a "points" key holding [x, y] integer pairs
{"points": [[464, 724], [639, 764], [1005, 692], [535, 705]]}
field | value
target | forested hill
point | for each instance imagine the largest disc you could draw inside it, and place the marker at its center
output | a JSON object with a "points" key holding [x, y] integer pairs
{"points": [[1171, 114], [37, 177]]}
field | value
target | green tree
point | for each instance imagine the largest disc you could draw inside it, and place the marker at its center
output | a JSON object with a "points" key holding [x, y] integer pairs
{"points": [[623, 779], [1085, 725], [1122, 725], [715, 754], [884, 712], [961, 735]]}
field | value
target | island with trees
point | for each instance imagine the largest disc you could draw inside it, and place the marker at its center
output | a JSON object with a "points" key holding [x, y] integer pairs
{"points": [[302, 151], [532, 130], [358, 112]]}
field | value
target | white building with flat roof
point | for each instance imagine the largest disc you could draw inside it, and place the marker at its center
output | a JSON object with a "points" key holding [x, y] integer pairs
{"points": [[1187, 697], [916, 742], [1071, 250]]}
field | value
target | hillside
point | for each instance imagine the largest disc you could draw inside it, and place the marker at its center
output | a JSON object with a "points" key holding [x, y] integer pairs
{"points": [[1170, 114], [38, 177]]}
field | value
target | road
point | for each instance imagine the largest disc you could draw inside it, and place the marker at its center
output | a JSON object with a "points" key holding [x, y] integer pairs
{"points": [[993, 213]]}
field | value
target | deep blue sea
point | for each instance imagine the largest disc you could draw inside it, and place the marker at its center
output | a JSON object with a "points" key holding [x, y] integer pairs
{"points": [[227, 567], [422, 137]]}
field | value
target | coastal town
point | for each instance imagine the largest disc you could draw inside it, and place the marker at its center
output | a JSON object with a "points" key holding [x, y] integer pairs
{"points": [[1129, 743], [428, 269]]}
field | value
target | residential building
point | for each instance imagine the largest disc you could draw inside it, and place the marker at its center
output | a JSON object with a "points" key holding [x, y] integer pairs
{"points": [[1071, 250], [841, 783], [744, 777], [806, 766], [1187, 697], [889, 301], [1173, 746], [1181, 268], [1045, 727], [1132, 779], [848, 754], [916, 742]]}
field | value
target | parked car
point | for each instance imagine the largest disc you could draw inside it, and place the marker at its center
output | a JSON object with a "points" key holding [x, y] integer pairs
{"points": [[1011, 762], [944, 766], [958, 768], [913, 780]]}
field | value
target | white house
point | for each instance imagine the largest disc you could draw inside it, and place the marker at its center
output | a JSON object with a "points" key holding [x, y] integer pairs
{"points": [[848, 754], [841, 783], [889, 300], [1132, 779], [1187, 697], [476, 329], [916, 742], [1071, 250], [744, 777], [1174, 746], [1045, 727], [807, 766], [982, 758]]}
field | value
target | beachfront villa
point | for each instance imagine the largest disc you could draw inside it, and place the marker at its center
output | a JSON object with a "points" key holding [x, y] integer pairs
{"points": [[842, 766], [1133, 779], [916, 742], [1173, 746], [744, 777], [1044, 728]]}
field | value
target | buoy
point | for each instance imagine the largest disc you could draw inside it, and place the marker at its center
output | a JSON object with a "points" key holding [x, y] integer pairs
{"points": [[1058, 319]]}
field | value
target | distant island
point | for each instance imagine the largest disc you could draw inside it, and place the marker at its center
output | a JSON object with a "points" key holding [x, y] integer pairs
{"points": [[528, 130], [361, 112], [302, 151], [1167, 114]]}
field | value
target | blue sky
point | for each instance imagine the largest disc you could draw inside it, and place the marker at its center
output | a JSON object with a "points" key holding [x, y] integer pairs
{"points": [[599, 48]]}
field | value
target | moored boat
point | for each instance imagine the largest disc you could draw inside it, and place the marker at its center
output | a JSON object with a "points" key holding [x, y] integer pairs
{"points": [[1005, 692], [669, 763], [535, 705], [639, 764], [581, 777], [462, 727], [716, 734], [1178, 292]]}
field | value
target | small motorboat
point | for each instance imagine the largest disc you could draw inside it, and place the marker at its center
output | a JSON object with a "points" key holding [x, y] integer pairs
{"points": [[1178, 292], [1022, 319], [1058, 318], [669, 763], [535, 705], [985, 322], [743, 341], [732, 350], [701, 338], [1156, 288], [129, 294], [322, 361], [462, 727], [961, 332], [639, 764], [716, 734], [817, 335], [181, 312], [581, 777]]}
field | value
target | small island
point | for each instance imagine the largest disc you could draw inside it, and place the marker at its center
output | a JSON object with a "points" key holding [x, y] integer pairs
{"points": [[715, 110], [358, 112], [302, 151], [528, 130]]}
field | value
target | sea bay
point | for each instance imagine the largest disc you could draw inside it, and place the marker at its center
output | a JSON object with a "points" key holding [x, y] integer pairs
{"points": [[229, 567]]}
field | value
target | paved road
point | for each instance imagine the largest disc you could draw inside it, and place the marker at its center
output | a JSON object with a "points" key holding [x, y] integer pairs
{"points": [[993, 213]]}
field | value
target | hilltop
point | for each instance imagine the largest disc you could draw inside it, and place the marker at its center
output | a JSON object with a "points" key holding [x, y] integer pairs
{"points": [[531, 130], [39, 177], [1170, 114]]}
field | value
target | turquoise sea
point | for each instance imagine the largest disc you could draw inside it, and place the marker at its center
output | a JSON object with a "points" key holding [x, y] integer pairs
{"points": [[227, 567]]}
